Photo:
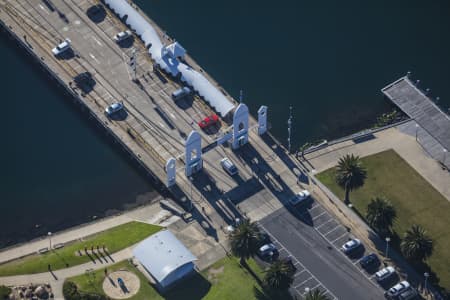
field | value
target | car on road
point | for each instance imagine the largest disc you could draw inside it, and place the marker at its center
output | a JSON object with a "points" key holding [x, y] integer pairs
{"points": [[397, 289], [121, 36], [268, 252], [384, 273], [369, 261], [114, 108], [228, 166], [62, 47], [300, 197], [351, 246], [208, 121]]}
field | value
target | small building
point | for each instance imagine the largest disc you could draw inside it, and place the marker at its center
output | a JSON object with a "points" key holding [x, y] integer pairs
{"points": [[175, 50], [165, 258]]}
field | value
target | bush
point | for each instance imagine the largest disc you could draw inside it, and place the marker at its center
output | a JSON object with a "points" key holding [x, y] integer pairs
{"points": [[70, 291], [4, 292]]}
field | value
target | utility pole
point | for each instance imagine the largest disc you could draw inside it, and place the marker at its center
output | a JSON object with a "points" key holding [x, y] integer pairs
{"points": [[289, 129]]}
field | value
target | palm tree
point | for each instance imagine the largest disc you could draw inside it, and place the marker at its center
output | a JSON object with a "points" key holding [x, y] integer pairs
{"points": [[245, 240], [279, 276], [350, 174], [416, 245], [381, 214], [316, 295]]}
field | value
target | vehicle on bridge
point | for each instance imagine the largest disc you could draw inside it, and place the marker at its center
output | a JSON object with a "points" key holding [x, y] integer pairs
{"points": [[300, 197], [114, 108], [61, 48], [208, 121], [228, 166], [123, 35]]}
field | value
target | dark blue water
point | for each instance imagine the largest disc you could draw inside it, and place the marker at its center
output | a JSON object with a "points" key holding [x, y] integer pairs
{"points": [[328, 60]]}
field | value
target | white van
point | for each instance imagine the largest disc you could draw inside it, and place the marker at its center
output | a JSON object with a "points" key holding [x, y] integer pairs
{"points": [[228, 166], [180, 93]]}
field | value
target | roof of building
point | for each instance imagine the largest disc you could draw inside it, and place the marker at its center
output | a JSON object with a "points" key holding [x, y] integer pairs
{"points": [[175, 50], [162, 253]]}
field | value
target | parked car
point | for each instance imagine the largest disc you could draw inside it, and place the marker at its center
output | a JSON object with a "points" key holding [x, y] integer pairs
{"points": [[121, 36], [351, 245], [369, 261], [384, 273], [268, 252], [231, 228], [114, 108], [410, 294], [228, 166], [300, 197], [397, 289], [61, 48], [208, 121], [181, 93]]}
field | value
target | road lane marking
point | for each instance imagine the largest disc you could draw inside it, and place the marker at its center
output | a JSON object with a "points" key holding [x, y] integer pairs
{"points": [[94, 58], [98, 42]]}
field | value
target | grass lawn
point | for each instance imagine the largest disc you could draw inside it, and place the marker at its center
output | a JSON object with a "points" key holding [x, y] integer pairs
{"points": [[225, 280], [114, 239], [415, 200]]}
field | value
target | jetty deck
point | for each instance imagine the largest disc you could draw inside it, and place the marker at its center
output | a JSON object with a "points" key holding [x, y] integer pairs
{"points": [[155, 127], [428, 116]]}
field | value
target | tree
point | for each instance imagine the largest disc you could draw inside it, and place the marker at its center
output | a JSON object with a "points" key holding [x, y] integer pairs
{"points": [[350, 174], [279, 276], [245, 240], [316, 295], [381, 214], [416, 245], [4, 292]]}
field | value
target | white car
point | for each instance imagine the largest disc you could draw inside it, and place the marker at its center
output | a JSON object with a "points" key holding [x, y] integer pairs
{"points": [[398, 289], [122, 36], [228, 166], [64, 46], [300, 197], [351, 245], [384, 273], [113, 108]]}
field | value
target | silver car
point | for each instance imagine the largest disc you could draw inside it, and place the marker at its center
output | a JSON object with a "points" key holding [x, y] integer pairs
{"points": [[62, 47], [121, 36]]}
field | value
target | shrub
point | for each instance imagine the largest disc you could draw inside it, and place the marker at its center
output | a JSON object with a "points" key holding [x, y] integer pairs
{"points": [[4, 292]]}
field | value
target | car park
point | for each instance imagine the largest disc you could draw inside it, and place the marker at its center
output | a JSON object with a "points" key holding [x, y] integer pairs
{"points": [[369, 261], [300, 197], [121, 36], [228, 166], [351, 245], [62, 47], [114, 108], [397, 289], [384, 273], [208, 121], [181, 93], [268, 252]]}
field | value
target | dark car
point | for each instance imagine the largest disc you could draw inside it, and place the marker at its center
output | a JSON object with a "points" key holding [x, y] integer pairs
{"points": [[369, 261]]}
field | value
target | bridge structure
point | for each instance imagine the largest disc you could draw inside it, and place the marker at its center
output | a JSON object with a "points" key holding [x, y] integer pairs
{"points": [[156, 131]]}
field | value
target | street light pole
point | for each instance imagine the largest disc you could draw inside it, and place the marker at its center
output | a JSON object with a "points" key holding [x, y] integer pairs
{"points": [[49, 240], [388, 239], [190, 180], [417, 129], [444, 156], [426, 274]]}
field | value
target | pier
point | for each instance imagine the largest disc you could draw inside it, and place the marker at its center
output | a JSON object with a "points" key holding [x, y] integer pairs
{"points": [[428, 117], [154, 128]]}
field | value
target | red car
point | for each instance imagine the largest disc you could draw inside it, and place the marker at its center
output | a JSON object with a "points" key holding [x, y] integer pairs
{"points": [[208, 121]]}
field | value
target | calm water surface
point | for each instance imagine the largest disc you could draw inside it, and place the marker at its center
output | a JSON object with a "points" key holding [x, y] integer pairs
{"points": [[328, 60]]}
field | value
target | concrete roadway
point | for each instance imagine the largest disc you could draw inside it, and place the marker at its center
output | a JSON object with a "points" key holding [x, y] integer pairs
{"points": [[326, 268]]}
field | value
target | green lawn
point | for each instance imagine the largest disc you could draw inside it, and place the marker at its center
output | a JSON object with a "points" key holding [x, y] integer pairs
{"points": [[415, 200], [114, 239], [225, 280]]}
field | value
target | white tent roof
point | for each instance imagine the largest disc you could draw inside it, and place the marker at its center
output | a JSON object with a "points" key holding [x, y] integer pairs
{"points": [[169, 63], [162, 253], [175, 50]]}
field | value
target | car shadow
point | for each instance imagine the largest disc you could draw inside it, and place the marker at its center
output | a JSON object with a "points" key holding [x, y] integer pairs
{"points": [[85, 82], [66, 55], [126, 43], [186, 102], [96, 13], [119, 116]]}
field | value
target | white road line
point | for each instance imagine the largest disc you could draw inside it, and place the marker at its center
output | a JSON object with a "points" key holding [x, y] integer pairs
{"points": [[314, 206], [173, 116], [295, 259], [319, 215], [313, 288], [301, 283], [339, 237], [94, 58], [339, 226], [331, 219], [298, 273], [98, 42], [40, 5]]}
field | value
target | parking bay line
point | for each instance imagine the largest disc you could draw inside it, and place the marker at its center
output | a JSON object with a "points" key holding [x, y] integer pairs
{"points": [[331, 219], [339, 225], [341, 236], [321, 214]]}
